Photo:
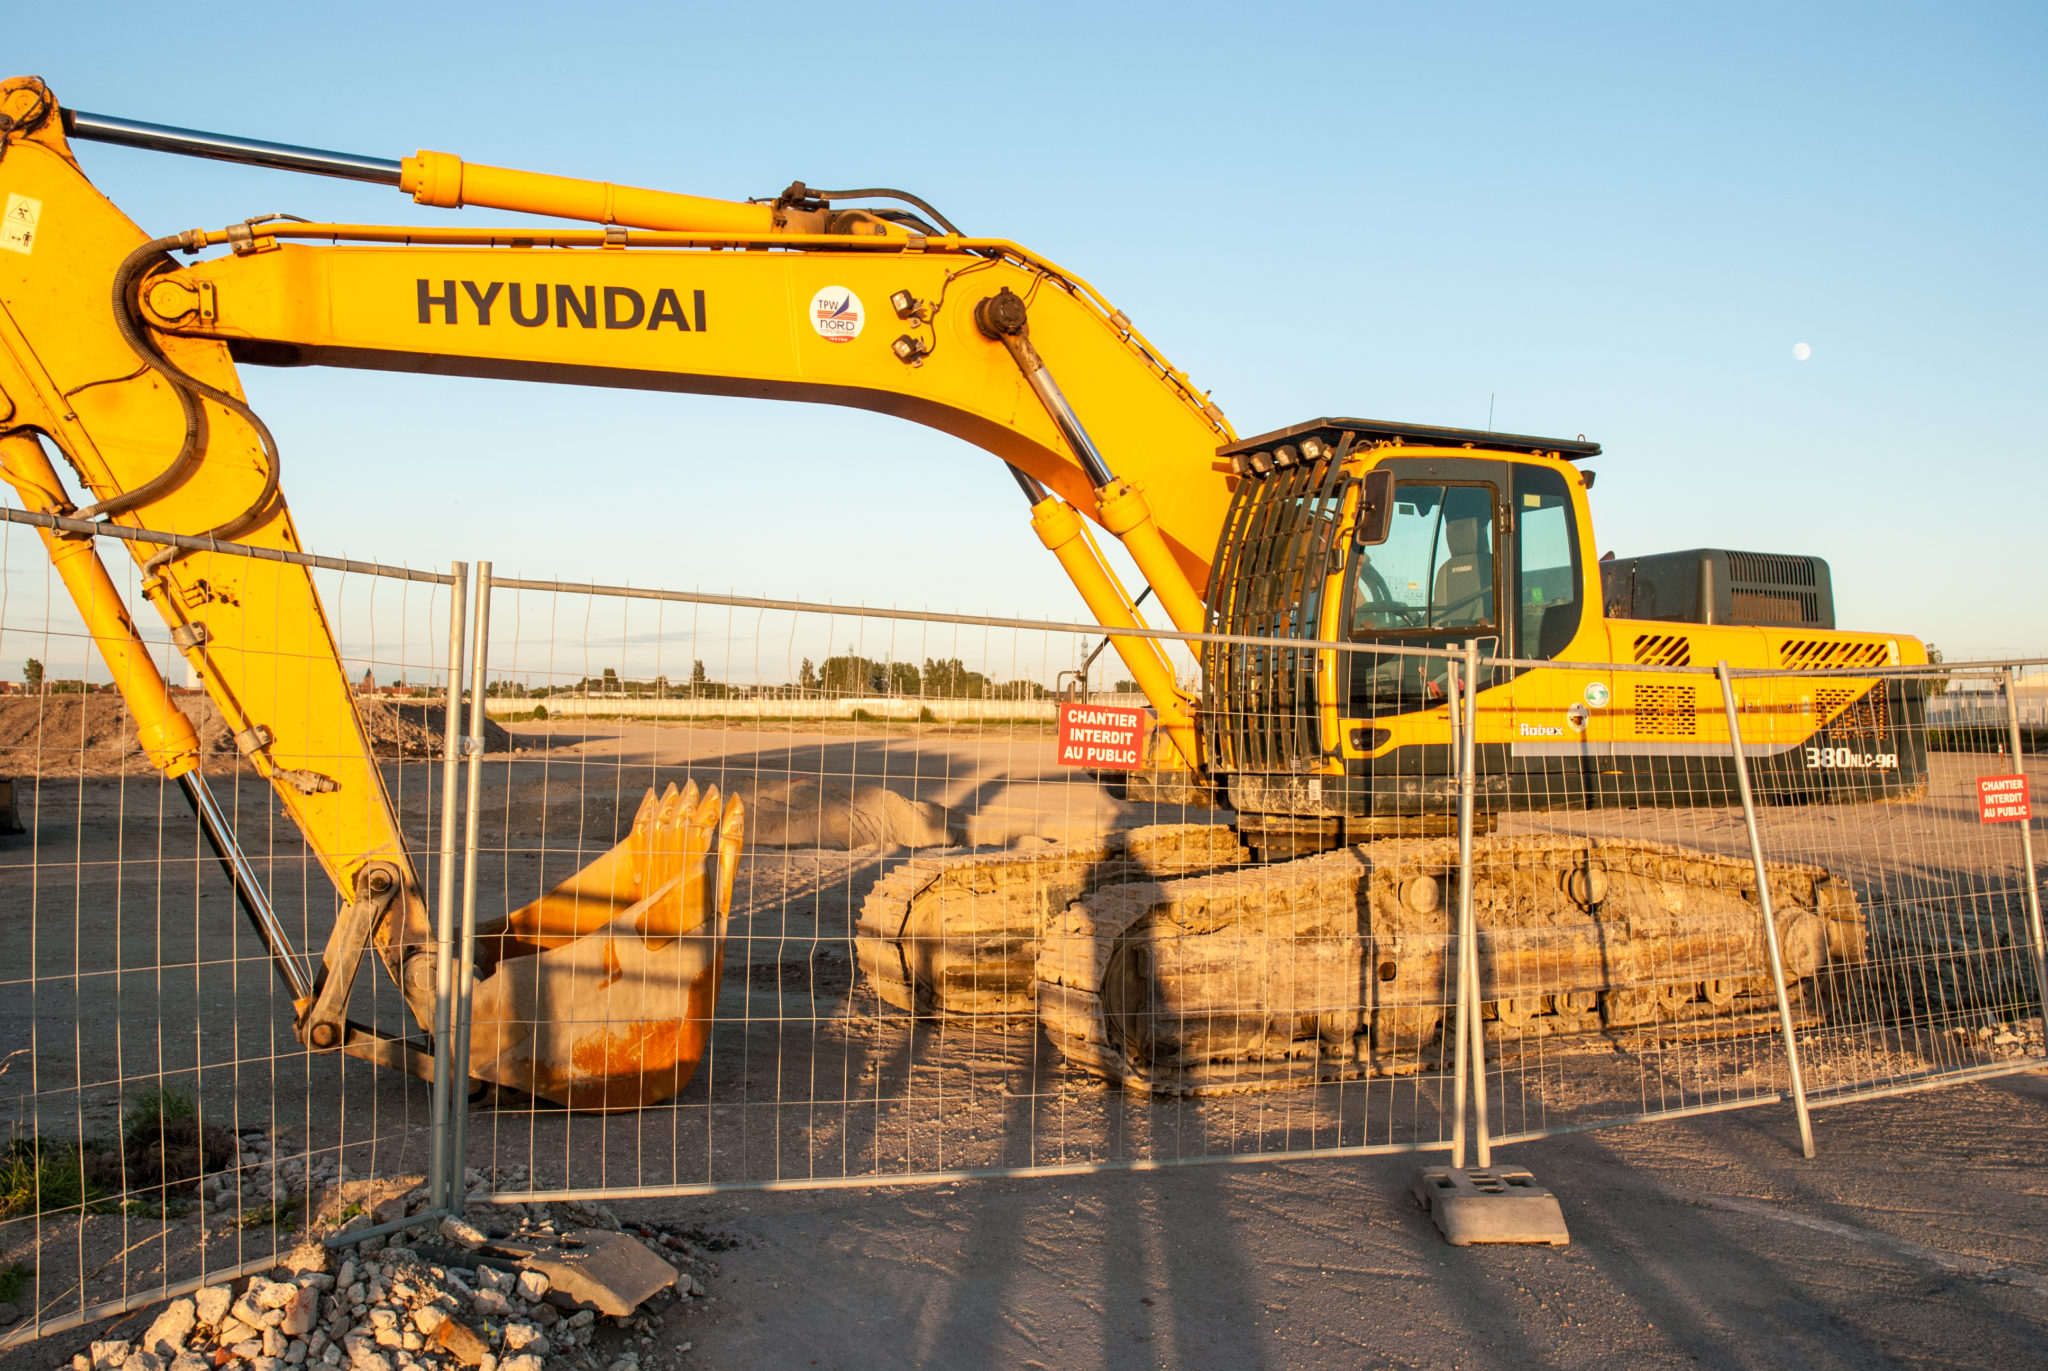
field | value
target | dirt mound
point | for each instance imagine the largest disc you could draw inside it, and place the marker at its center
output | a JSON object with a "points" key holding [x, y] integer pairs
{"points": [[810, 813], [411, 731], [94, 735]]}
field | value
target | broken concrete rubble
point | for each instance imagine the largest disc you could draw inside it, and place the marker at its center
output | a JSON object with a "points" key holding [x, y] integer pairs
{"points": [[504, 1291], [612, 1273], [166, 1336], [211, 1303]]}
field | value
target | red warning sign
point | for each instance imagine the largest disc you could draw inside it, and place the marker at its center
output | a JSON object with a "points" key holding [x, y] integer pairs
{"points": [[2002, 800], [1107, 736]]}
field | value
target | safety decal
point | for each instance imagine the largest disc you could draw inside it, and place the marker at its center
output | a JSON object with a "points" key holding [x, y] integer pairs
{"points": [[837, 314], [1597, 694], [18, 224]]}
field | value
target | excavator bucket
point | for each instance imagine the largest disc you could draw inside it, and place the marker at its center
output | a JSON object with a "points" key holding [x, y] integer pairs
{"points": [[600, 993]]}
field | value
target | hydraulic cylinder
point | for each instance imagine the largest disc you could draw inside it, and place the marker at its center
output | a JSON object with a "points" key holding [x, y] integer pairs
{"points": [[1058, 525]]}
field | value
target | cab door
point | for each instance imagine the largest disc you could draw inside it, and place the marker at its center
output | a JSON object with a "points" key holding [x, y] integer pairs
{"points": [[1435, 582], [1560, 725]]}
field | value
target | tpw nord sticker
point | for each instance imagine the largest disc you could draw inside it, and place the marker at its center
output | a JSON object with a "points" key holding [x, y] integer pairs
{"points": [[836, 314]]}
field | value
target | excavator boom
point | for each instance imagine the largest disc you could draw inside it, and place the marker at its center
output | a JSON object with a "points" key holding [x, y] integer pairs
{"points": [[124, 364]]}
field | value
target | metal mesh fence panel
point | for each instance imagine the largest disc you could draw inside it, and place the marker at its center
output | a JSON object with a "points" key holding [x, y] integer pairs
{"points": [[1636, 981], [1912, 792], [931, 929], [948, 954], [1624, 973], [162, 1124]]}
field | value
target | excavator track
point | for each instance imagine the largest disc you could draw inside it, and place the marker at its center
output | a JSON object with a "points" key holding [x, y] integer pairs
{"points": [[958, 936], [1339, 965]]}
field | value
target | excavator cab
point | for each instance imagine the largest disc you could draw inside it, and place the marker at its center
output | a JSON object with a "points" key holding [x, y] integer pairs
{"points": [[1406, 536]]}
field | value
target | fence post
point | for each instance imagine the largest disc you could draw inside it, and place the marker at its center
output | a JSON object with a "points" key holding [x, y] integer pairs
{"points": [[2019, 766], [1459, 1025], [444, 909], [1471, 1046], [1763, 900], [465, 963], [1468, 927]]}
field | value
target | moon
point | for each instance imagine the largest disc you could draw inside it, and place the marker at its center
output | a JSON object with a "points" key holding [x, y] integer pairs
{"points": [[1800, 352]]}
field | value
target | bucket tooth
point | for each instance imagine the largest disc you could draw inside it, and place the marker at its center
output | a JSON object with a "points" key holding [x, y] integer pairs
{"points": [[732, 829]]}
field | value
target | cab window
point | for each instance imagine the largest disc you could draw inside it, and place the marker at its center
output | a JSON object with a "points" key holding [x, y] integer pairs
{"points": [[1546, 561], [1435, 571]]}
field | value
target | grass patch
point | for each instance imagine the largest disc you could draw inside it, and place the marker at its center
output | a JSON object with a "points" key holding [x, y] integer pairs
{"points": [[38, 1177], [283, 1215], [166, 1147], [152, 1109], [13, 1280]]}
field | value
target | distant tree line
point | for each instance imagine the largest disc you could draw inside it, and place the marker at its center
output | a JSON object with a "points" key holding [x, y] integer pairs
{"points": [[849, 674]]}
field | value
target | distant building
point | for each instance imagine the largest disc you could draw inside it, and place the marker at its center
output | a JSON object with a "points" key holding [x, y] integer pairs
{"points": [[368, 685]]}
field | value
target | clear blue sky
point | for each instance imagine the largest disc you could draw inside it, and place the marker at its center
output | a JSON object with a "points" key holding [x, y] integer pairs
{"points": [[1614, 221]]}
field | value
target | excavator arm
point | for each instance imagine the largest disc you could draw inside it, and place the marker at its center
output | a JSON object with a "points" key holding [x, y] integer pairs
{"points": [[158, 431]]}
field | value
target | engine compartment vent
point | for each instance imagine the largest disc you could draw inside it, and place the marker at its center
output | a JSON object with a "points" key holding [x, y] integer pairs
{"points": [[1667, 711], [1862, 712], [1822, 654], [1663, 649], [1716, 586]]}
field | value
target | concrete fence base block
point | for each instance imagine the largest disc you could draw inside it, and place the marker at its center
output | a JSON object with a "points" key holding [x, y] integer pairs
{"points": [[1497, 1204]]}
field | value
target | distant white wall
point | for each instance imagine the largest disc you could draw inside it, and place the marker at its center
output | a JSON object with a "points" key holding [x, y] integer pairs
{"points": [[897, 707]]}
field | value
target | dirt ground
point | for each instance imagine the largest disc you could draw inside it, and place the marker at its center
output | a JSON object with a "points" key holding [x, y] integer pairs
{"points": [[1917, 1237]]}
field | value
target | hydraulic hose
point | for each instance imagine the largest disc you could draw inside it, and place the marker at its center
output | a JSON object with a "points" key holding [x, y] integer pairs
{"points": [[884, 193], [190, 389]]}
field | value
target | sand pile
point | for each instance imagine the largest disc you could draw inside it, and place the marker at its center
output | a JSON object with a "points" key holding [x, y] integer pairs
{"points": [[806, 812], [94, 735]]}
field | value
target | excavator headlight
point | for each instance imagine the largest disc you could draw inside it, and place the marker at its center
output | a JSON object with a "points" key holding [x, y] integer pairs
{"points": [[1285, 457], [1312, 450], [1261, 464], [910, 351], [904, 303]]}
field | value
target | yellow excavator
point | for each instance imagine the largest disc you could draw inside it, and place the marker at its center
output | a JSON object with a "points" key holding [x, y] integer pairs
{"points": [[1382, 537]]}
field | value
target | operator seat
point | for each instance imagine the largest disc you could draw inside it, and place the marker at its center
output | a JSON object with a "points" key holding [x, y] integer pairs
{"points": [[1465, 581]]}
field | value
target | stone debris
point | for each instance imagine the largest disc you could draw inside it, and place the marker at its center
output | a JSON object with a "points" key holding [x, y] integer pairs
{"points": [[211, 1303], [464, 1234], [166, 1336], [613, 1273], [509, 1287]]}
